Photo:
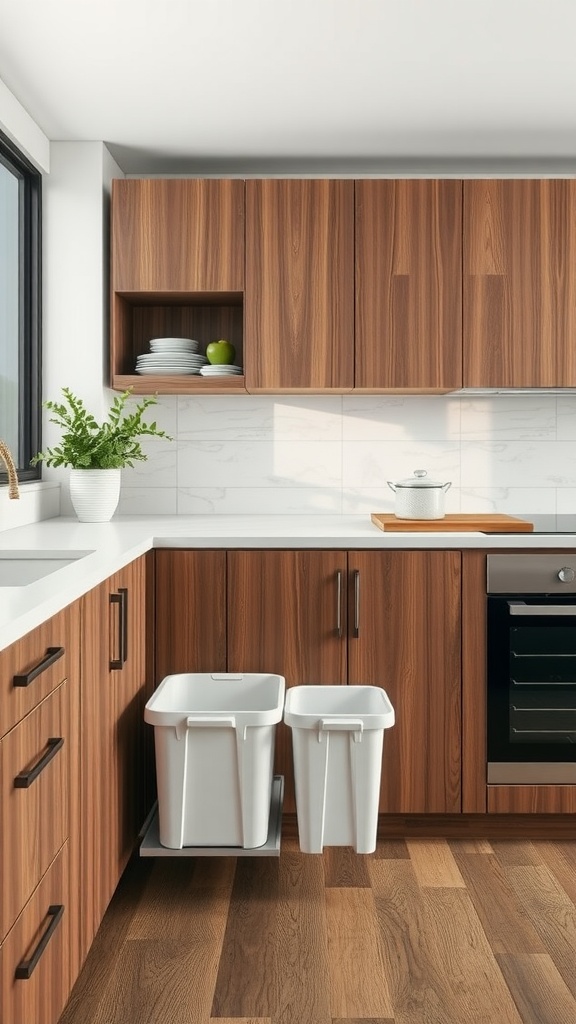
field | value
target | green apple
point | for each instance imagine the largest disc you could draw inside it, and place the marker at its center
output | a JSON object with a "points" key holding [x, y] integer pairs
{"points": [[220, 352]]}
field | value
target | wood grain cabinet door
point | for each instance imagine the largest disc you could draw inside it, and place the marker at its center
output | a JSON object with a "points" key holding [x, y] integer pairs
{"points": [[286, 615], [406, 605], [190, 611], [112, 728], [41, 942], [519, 283], [299, 299], [177, 235], [35, 762], [129, 689], [408, 285]]}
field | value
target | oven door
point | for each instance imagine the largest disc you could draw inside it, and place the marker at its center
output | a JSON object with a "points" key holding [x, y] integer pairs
{"points": [[531, 689]]}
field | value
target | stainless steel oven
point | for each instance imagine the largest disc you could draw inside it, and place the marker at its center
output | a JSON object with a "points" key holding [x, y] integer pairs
{"points": [[531, 668]]}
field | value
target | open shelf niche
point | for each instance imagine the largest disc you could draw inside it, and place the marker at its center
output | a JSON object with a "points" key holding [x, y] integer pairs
{"points": [[138, 317]]}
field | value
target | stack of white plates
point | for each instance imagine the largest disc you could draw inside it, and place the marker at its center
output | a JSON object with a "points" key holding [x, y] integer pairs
{"points": [[221, 370], [171, 357], [174, 345], [170, 365]]}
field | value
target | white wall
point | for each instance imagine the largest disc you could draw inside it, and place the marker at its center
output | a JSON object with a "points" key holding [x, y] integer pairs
{"points": [[76, 281], [17, 124]]}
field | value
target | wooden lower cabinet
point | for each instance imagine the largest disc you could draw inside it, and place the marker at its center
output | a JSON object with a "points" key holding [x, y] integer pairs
{"points": [[40, 856], [41, 997], [397, 625], [531, 799], [408, 641], [190, 611], [35, 803], [287, 615], [112, 720], [295, 612]]}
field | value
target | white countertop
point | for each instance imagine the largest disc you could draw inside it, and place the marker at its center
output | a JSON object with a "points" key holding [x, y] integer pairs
{"points": [[115, 544]]}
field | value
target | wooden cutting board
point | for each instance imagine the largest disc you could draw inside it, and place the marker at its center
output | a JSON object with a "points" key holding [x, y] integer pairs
{"points": [[491, 522]]}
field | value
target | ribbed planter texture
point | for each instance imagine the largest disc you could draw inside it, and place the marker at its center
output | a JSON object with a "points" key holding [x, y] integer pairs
{"points": [[95, 493]]}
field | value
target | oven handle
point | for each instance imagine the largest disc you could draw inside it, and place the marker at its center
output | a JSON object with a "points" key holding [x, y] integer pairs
{"points": [[521, 608]]}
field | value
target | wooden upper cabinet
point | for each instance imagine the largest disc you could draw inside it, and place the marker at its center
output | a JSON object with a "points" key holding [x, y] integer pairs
{"points": [[177, 235], [519, 283], [299, 298], [408, 285]]}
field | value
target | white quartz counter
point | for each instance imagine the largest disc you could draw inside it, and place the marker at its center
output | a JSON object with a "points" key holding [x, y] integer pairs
{"points": [[115, 544]]}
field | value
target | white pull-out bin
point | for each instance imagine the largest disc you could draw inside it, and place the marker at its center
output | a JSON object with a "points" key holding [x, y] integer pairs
{"points": [[214, 739], [337, 740]]}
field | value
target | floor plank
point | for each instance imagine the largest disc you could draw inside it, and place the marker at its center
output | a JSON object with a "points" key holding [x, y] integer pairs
{"points": [[157, 980], [433, 863], [343, 867], [301, 942], [358, 985], [506, 923], [463, 958], [471, 845], [512, 853], [391, 849], [95, 976], [242, 988], [561, 861], [416, 988], [553, 915], [537, 988], [362, 1020]]}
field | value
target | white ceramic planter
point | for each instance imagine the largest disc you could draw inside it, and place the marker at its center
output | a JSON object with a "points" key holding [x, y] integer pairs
{"points": [[95, 493]]}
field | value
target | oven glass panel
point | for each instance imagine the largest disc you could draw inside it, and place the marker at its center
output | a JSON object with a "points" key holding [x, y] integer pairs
{"points": [[531, 682]]}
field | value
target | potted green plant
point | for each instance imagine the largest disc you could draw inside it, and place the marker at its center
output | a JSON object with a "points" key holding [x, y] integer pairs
{"points": [[97, 452]]}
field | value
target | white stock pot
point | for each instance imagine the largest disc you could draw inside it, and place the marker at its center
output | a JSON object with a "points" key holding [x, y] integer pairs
{"points": [[417, 497]]}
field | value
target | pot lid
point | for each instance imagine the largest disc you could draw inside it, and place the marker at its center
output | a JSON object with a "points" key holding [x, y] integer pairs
{"points": [[419, 479]]}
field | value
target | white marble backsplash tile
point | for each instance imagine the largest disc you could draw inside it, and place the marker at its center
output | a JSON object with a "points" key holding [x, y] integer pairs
{"points": [[260, 418], [306, 454], [315, 464], [365, 463], [508, 418], [279, 501], [400, 418]]}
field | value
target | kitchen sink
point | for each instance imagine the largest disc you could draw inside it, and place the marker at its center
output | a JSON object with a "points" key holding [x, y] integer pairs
{"points": [[20, 568]]}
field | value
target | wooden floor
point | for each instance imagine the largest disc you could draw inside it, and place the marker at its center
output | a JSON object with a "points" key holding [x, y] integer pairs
{"points": [[421, 932]]}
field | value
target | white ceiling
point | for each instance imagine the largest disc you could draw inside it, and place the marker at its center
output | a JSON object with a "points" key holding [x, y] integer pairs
{"points": [[300, 85]]}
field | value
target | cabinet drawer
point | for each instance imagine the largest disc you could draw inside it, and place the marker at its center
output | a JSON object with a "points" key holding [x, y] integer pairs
{"points": [[35, 765], [34, 666], [40, 938]]}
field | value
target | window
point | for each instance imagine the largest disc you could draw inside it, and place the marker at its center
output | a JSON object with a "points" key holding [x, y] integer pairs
{"points": [[20, 279]]}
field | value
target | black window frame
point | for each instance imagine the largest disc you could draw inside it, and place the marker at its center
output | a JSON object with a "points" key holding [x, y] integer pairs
{"points": [[30, 310]]}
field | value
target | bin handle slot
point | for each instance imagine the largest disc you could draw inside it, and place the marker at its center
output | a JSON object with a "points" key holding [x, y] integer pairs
{"points": [[355, 725], [204, 722], [227, 675]]}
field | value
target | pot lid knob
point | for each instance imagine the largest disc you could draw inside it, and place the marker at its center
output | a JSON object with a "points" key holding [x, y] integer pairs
{"points": [[420, 473]]}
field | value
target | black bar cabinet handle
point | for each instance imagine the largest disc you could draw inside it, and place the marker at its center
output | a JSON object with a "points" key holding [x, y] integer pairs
{"points": [[52, 654], [338, 602], [26, 968], [25, 779], [356, 603], [121, 599]]}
